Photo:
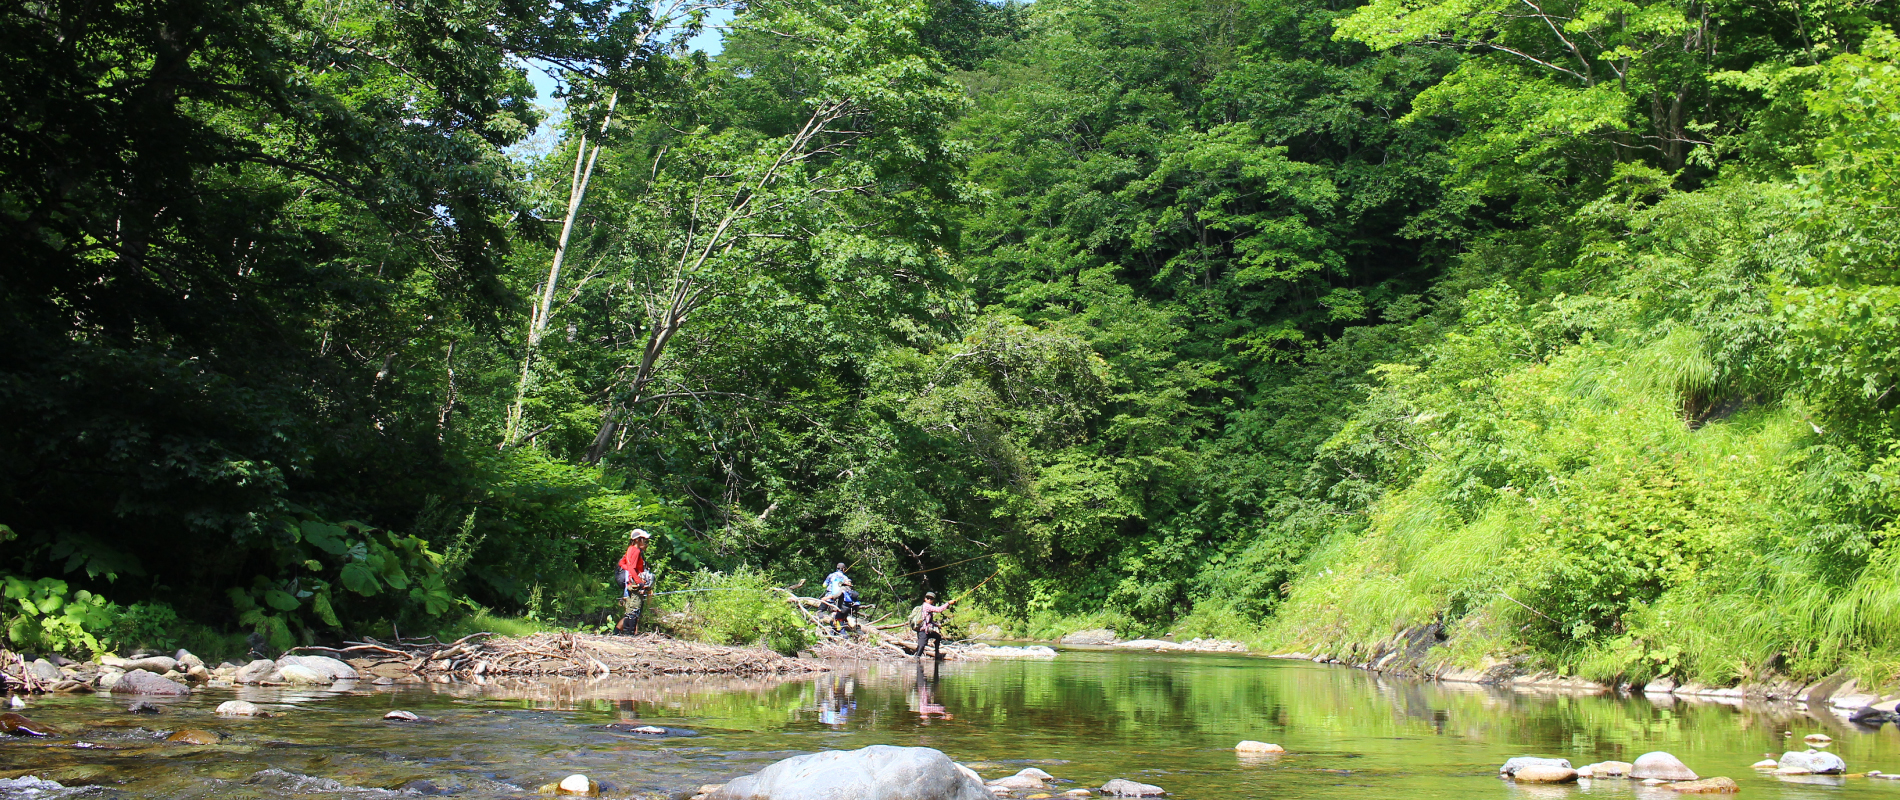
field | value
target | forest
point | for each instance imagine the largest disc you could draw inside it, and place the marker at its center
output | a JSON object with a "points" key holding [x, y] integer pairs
{"points": [[1571, 326]]}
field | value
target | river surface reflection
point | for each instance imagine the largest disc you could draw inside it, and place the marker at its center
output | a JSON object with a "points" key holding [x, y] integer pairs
{"points": [[1087, 716]]}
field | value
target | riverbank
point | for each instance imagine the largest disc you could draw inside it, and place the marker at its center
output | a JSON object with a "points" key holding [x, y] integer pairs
{"points": [[1415, 653]]}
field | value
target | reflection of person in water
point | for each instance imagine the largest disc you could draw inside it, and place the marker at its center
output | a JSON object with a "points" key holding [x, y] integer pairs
{"points": [[836, 700], [923, 700]]}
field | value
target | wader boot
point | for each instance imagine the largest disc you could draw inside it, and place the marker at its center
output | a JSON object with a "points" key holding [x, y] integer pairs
{"points": [[630, 608]]}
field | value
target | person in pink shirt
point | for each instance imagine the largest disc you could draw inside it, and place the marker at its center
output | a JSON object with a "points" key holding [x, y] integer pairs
{"points": [[928, 624]]}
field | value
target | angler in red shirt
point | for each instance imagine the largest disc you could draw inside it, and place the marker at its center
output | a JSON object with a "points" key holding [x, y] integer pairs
{"points": [[636, 582]]}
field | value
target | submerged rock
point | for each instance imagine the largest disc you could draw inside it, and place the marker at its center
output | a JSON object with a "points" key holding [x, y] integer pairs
{"points": [[1511, 766], [400, 715], [16, 725], [878, 772], [27, 786], [1605, 769], [1661, 766], [1251, 746], [194, 736], [649, 730], [1121, 787], [1818, 739], [143, 707], [1706, 786], [139, 681]]}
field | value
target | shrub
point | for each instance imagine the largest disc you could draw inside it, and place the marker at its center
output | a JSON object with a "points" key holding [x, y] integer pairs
{"points": [[740, 608]]}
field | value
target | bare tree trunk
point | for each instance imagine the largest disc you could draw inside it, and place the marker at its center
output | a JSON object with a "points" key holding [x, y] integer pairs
{"points": [[584, 161], [688, 290]]}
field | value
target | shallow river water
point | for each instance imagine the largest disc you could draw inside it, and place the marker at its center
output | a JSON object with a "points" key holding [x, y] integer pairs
{"points": [[1087, 716]]}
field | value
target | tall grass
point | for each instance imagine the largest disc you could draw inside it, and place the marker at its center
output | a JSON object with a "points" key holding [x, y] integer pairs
{"points": [[1565, 513]]}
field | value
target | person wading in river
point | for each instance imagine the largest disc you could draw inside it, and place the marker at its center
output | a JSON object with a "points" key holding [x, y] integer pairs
{"points": [[636, 582], [840, 602], [929, 626]]}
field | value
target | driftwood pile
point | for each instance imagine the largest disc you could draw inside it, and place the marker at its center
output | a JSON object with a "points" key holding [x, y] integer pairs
{"points": [[865, 640], [568, 654]]}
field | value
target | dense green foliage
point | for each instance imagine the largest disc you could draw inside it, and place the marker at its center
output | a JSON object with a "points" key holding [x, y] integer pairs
{"points": [[1569, 327]]}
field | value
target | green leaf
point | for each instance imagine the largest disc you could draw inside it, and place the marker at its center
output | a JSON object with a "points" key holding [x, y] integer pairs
{"points": [[321, 605], [359, 579], [327, 537], [280, 600]]}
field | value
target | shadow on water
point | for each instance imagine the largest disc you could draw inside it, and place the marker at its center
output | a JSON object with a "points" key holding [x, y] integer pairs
{"points": [[1087, 716]]}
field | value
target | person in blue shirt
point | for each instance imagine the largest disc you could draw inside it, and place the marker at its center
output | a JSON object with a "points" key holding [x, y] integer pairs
{"points": [[841, 602], [834, 579]]}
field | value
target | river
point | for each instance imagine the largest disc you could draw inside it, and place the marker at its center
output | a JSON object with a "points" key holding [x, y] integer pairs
{"points": [[1087, 716]]}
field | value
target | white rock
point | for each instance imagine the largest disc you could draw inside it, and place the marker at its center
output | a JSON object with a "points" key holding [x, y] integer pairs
{"points": [[157, 665], [300, 674], [1251, 746], [240, 708], [1816, 762], [399, 714], [1121, 787], [1146, 644], [332, 669], [878, 772], [1513, 765], [576, 784], [1030, 651], [1030, 778]]}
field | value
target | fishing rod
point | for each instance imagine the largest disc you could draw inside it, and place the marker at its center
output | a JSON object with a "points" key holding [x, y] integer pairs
{"points": [[999, 571]]}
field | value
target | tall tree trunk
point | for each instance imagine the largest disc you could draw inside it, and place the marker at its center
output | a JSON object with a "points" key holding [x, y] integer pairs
{"points": [[584, 160]]}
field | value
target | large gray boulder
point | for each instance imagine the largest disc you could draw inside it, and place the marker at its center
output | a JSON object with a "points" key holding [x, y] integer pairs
{"points": [[157, 665], [139, 681], [256, 671], [1511, 767], [1122, 787], [878, 772], [1661, 766], [45, 671], [331, 669], [1095, 636], [1811, 762]]}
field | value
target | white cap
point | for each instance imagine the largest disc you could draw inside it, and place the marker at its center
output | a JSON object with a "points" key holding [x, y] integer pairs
{"points": [[641, 534]]}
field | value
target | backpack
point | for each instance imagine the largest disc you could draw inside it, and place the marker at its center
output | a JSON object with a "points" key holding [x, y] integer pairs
{"points": [[917, 618]]}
